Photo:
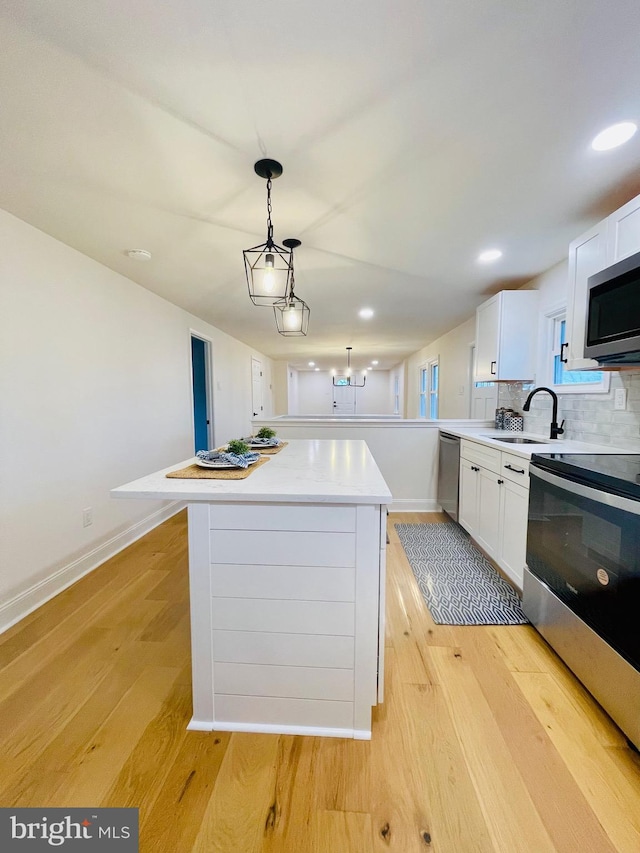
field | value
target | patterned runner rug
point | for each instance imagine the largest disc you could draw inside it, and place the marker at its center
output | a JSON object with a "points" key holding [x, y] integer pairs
{"points": [[458, 584]]}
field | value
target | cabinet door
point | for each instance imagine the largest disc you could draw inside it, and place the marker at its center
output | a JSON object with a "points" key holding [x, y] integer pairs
{"points": [[488, 532], [514, 506], [468, 501], [587, 255], [487, 331], [623, 232]]}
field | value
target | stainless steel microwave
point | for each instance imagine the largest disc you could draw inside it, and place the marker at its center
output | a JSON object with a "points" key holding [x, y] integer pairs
{"points": [[612, 333]]}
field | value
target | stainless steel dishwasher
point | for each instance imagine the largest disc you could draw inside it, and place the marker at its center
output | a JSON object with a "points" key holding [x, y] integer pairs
{"points": [[449, 474]]}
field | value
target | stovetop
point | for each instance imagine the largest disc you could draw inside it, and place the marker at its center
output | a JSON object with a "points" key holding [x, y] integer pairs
{"points": [[618, 473]]}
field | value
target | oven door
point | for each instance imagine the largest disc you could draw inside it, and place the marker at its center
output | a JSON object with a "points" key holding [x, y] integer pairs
{"points": [[584, 544]]}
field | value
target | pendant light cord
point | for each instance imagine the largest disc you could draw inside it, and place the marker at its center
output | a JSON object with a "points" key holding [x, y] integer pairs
{"points": [[269, 209]]}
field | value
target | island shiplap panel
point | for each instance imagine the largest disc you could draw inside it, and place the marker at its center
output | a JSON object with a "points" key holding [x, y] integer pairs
{"points": [[292, 682], [283, 548], [333, 518], [311, 583], [264, 647], [292, 617], [285, 713]]}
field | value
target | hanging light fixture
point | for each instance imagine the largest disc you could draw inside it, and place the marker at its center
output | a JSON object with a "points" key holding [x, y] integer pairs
{"points": [[291, 313], [268, 266], [349, 379]]}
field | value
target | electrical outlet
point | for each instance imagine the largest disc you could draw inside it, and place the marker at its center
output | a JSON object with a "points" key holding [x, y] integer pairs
{"points": [[87, 516], [620, 399]]}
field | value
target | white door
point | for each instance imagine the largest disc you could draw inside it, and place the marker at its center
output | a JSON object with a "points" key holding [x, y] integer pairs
{"points": [[344, 400], [256, 388]]}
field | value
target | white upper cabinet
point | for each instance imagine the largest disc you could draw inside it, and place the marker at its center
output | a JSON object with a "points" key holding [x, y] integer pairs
{"points": [[587, 255], [623, 232], [506, 333], [608, 242]]}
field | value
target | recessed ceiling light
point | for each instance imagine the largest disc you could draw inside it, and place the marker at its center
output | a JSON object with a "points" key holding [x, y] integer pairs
{"points": [[489, 255], [374, 362], [317, 369], [613, 136], [366, 313], [139, 254], [312, 364]]}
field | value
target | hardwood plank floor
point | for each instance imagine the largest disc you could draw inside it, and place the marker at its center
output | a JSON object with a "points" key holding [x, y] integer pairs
{"points": [[485, 743]]}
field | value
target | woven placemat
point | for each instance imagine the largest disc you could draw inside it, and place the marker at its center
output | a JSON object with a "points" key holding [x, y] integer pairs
{"points": [[195, 472], [271, 450]]}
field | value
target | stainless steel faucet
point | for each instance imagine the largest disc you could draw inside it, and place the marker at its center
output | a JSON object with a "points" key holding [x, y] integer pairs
{"points": [[555, 429]]}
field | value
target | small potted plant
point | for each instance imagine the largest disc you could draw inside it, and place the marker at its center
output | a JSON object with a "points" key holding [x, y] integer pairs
{"points": [[266, 432], [238, 446]]}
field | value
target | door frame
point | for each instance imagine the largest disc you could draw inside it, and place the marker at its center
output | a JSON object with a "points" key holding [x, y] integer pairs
{"points": [[208, 367]]}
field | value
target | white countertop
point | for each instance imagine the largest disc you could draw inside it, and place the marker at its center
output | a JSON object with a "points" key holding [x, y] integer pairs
{"points": [[490, 437], [306, 471]]}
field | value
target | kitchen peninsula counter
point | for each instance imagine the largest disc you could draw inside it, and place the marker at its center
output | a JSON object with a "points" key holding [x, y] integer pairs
{"points": [[286, 572]]}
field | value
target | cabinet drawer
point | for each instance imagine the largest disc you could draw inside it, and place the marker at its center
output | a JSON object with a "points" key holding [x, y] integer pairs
{"points": [[288, 682], [308, 583], [480, 454], [515, 468], [338, 519], [288, 617]]}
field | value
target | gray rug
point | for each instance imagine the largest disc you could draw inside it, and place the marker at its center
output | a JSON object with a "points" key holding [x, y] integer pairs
{"points": [[458, 584]]}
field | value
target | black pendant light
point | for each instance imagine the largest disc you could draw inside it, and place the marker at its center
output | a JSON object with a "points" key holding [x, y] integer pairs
{"points": [[350, 380], [268, 266], [291, 313]]}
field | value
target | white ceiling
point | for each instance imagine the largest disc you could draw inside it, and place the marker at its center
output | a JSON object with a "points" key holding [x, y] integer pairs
{"points": [[413, 135]]}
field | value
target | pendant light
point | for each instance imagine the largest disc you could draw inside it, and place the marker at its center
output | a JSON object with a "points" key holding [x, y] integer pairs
{"points": [[350, 380], [268, 266], [291, 313]]}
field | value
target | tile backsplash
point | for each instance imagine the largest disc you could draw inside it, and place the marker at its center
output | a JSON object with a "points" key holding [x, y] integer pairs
{"points": [[588, 417]]}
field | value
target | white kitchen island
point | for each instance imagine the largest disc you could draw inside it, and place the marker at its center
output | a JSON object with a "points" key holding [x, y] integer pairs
{"points": [[287, 574]]}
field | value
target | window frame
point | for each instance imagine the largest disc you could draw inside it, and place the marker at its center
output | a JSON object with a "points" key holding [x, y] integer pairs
{"points": [[553, 319]]}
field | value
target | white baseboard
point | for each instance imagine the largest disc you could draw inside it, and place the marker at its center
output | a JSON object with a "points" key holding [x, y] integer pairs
{"points": [[414, 505], [271, 729], [26, 602]]}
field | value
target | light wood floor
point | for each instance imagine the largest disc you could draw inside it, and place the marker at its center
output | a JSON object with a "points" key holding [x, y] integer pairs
{"points": [[485, 741]]}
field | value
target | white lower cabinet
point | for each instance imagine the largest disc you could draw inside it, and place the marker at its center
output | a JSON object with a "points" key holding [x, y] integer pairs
{"points": [[494, 504]]}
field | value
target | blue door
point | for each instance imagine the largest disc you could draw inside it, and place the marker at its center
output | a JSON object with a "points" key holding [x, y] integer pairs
{"points": [[199, 371]]}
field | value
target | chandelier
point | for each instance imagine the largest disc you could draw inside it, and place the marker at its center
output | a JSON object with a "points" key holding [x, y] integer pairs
{"points": [[291, 313], [268, 267], [350, 380]]}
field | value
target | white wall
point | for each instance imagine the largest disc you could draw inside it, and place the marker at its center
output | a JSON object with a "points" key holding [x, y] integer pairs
{"points": [[95, 390], [452, 350], [315, 393]]}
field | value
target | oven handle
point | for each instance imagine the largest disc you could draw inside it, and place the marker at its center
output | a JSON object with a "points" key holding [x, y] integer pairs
{"points": [[617, 501]]}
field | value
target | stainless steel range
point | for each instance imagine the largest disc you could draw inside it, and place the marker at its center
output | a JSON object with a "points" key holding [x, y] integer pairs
{"points": [[582, 579]]}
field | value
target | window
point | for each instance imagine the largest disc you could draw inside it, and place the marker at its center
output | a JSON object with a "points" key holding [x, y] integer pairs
{"points": [[429, 383], [424, 385], [396, 395], [433, 389], [565, 381]]}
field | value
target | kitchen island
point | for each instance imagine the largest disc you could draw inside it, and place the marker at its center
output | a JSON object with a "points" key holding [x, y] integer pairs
{"points": [[286, 574]]}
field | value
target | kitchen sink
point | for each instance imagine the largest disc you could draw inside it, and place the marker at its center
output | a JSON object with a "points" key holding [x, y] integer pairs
{"points": [[515, 439]]}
